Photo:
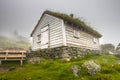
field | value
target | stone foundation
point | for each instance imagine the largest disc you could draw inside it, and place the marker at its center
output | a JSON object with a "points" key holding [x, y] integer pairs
{"points": [[62, 52]]}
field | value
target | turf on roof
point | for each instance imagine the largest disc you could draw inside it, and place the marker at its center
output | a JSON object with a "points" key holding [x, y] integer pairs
{"points": [[74, 21]]}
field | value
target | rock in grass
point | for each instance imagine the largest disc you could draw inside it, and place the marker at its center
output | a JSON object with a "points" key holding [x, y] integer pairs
{"points": [[65, 57], [12, 68], [76, 70], [92, 67], [34, 60]]}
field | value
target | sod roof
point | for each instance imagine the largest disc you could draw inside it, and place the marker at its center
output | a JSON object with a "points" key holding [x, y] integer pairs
{"points": [[72, 21]]}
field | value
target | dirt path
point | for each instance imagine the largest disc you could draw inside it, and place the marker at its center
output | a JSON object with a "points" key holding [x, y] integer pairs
{"points": [[3, 69], [6, 69]]}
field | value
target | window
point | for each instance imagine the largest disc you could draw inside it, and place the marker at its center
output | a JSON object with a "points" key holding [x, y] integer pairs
{"points": [[95, 40], [76, 33], [39, 38]]}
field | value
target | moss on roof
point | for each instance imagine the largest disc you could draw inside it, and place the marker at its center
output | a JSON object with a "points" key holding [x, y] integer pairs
{"points": [[74, 21]]}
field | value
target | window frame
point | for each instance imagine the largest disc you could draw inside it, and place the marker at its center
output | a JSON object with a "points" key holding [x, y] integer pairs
{"points": [[39, 38], [95, 40], [76, 33]]}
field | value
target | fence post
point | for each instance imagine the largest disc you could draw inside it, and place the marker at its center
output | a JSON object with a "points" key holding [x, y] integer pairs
{"points": [[21, 62], [0, 62]]}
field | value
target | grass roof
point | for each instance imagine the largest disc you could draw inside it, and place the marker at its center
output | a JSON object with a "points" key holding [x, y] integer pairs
{"points": [[74, 21]]}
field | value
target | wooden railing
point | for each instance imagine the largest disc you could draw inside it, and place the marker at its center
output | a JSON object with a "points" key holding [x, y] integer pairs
{"points": [[10, 55], [13, 51]]}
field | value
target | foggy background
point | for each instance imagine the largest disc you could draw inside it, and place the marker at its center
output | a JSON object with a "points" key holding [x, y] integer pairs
{"points": [[23, 15]]}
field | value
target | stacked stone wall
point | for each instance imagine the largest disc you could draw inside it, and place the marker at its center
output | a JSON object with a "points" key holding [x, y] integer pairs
{"points": [[63, 51]]}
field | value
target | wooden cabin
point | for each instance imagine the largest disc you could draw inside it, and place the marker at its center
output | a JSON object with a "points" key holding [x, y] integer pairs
{"points": [[12, 55], [56, 29]]}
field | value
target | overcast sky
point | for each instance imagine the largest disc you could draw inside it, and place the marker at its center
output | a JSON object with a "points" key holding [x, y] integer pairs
{"points": [[23, 15]]}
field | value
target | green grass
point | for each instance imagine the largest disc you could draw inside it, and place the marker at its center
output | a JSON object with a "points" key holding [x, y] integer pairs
{"points": [[58, 70]]}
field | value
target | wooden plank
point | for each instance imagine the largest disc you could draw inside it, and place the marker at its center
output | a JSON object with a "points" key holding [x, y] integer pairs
{"points": [[56, 45], [55, 36], [0, 62], [10, 55], [57, 39], [11, 59], [55, 30], [81, 46], [64, 34], [12, 51], [55, 24], [21, 62]]}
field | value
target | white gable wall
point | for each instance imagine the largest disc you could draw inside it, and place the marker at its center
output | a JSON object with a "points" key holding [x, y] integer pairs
{"points": [[55, 31]]}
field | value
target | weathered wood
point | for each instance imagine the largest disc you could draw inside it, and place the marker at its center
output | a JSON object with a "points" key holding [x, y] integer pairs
{"points": [[21, 62], [12, 51], [48, 36], [64, 34], [10, 59], [0, 62], [12, 55]]}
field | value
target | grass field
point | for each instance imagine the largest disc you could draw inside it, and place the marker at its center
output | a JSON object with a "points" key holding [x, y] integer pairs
{"points": [[50, 69]]}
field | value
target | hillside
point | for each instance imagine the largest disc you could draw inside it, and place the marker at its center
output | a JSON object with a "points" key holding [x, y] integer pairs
{"points": [[6, 43], [50, 69]]}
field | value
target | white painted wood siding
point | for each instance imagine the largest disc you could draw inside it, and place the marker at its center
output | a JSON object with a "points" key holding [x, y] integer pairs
{"points": [[84, 39], [55, 31], [63, 35]]}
